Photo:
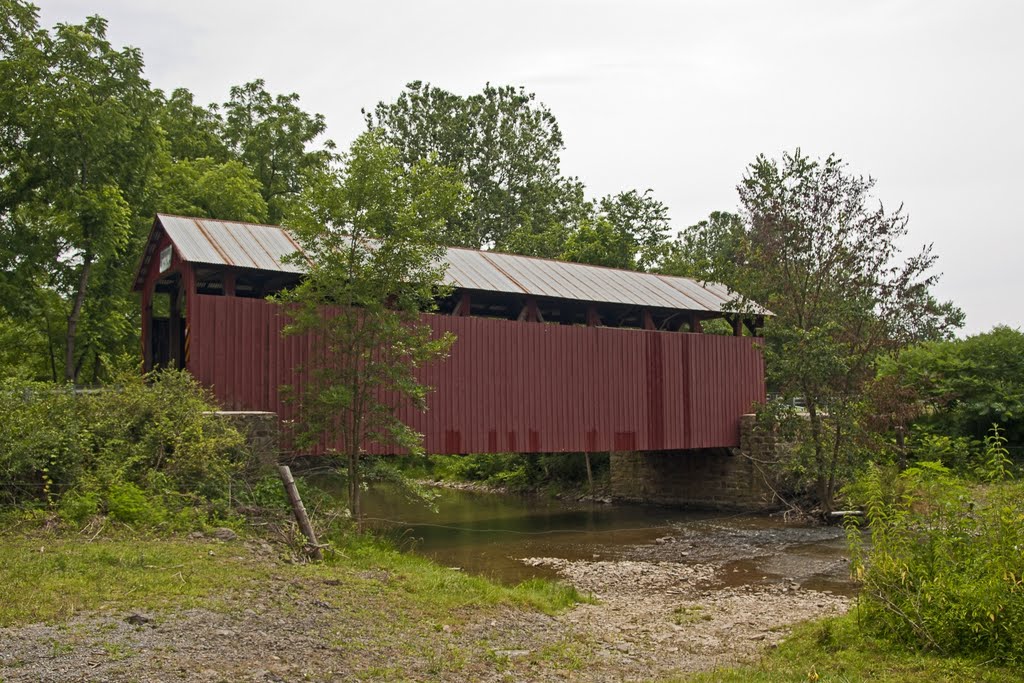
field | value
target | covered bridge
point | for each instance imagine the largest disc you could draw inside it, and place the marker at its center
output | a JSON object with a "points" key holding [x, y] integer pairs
{"points": [[550, 356]]}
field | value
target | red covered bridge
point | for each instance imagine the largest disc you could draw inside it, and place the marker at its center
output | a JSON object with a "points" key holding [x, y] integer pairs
{"points": [[549, 357]]}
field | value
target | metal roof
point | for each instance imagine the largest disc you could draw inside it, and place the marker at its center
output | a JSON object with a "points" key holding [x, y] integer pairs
{"points": [[263, 247]]}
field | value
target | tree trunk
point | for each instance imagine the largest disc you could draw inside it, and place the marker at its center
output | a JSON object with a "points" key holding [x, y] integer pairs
{"points": [[590, 473], [820, 467], [70, 372], [354, 498]]}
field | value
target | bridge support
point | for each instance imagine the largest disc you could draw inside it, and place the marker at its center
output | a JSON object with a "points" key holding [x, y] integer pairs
{"points": [[719, 478]]}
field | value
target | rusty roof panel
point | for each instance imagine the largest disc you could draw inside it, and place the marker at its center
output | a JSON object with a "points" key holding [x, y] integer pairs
{"points": [[244, 245], [264, 247], [469, 269]]}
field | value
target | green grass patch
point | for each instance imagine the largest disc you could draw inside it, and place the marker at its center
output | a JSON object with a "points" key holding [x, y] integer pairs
{"points": [[839, 650], [49, 578], [433, 587]]}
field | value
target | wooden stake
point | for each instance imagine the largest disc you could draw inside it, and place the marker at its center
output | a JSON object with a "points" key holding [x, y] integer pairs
{"points": [[300, 510]]}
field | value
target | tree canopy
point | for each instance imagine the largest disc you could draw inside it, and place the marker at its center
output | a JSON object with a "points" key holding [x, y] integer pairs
{"points": [[815, 247]]}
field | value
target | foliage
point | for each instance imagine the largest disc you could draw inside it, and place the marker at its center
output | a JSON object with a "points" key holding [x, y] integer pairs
{"points": [[191, 131], [79, 117], [841, 650], [944, 571], [271, 136], [518, 472], [88, 153], [504, 144], [138, 451], [962, 386], [710, 250], [507, 145], [369, 233], [816, 249], [205, 188], [627, 230]]}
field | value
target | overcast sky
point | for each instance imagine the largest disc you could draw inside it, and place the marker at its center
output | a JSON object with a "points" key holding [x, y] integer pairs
{"points": [[927, 97]]}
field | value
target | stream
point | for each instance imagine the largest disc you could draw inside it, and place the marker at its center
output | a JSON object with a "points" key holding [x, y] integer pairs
{"points": [[490, 534]]}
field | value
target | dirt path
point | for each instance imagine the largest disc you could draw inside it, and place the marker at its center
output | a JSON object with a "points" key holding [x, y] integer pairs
{"points": [[655, 618]]}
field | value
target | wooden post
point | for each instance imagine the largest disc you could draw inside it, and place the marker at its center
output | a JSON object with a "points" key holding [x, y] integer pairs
{"points": [[464, 306], [300, 511], [648, 320], [228, 281]]}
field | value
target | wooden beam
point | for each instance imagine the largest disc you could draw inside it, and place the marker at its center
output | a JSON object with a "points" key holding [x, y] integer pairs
{"points": [[462, 308], [147, 325], [228, 281], [593, 318], [648, 320], [695, 325], [530, 312]]}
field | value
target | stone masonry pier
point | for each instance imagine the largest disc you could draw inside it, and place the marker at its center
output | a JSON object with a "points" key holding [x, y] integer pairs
{"points": [[720, 479]]}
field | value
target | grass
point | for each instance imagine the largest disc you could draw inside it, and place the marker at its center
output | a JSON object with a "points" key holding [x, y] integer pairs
{"points": [[838, 650], [49, 577], [434, 587]]}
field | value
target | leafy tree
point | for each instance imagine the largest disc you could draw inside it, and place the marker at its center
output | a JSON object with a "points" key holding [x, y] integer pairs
{"points": [[964, 386], [627, 230], [204, 187], [80, 119], [271, 136], [824, 257], [192, 131], [507, 147], [710, 250], [369, 234]]}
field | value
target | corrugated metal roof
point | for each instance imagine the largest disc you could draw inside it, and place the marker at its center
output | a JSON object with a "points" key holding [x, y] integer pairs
{"points": [[263, 247], [243, 245]]}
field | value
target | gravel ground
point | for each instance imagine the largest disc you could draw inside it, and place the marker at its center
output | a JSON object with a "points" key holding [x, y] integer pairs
{"points": [[654, 619]]}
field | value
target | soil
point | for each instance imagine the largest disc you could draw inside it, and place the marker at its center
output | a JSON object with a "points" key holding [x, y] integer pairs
{"points": [[663, 610]]}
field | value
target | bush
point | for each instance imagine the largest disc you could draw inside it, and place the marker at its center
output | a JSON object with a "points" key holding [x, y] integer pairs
{"points": [[141, 450], [945, 570]]}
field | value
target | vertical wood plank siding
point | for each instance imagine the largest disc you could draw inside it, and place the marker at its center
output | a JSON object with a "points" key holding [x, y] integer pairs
{"points": [[510, 386]]}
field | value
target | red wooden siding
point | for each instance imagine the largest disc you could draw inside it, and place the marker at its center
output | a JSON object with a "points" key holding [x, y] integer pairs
{"points": [[512, 386]]}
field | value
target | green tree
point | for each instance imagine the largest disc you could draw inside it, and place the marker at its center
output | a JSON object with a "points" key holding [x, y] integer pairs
{"points": [[272, 137], [192, 131], [80, 120], [369, 238], [823, 255], [628, 230], [507, 147], [207, 188], [710, 250], [964, 386]]}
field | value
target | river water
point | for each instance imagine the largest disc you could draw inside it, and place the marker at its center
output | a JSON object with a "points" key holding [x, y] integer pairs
{"points": [[489, 534]]}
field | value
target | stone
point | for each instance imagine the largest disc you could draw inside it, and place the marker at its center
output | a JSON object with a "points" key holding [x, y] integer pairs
{"points": [[224, 534]]}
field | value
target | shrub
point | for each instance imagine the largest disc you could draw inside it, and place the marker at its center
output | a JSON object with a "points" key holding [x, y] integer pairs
{"points": [[141, 450], [945, 570]]}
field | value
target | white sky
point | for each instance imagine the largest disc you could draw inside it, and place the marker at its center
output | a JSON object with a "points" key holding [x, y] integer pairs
{"points": [[926, 96]]}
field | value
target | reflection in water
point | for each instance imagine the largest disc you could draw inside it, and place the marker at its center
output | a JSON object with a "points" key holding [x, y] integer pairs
{"points": [[487, 534]]}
